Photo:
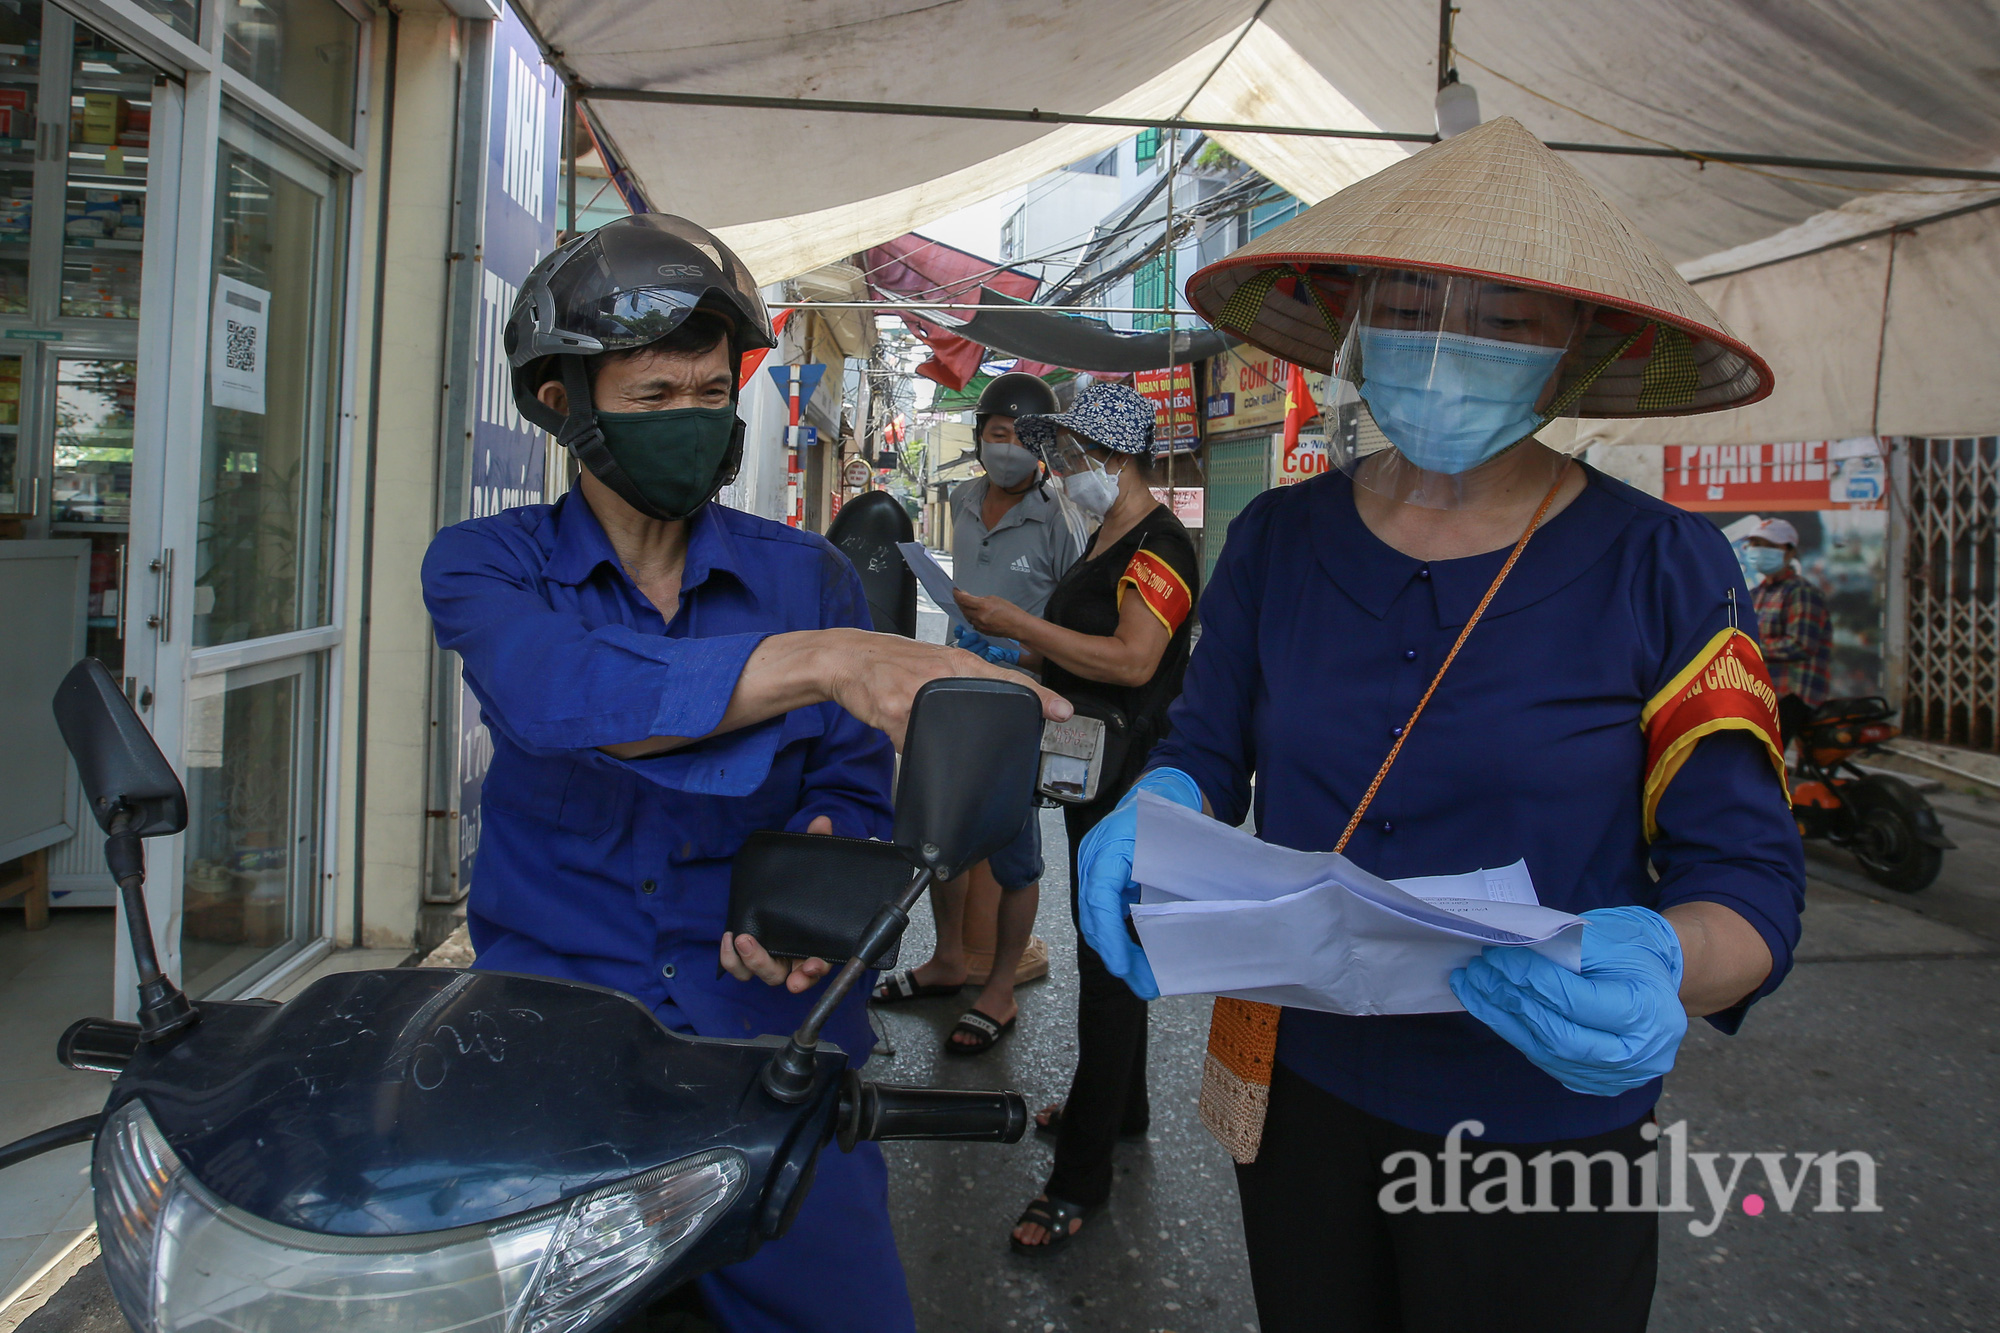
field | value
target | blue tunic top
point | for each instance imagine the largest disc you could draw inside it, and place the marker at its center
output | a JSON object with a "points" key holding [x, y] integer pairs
{"points": [[617, 873], [1317, 641]]}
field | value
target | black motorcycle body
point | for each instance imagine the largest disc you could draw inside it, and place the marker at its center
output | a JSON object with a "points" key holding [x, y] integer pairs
{"points": [[419, 1149]]}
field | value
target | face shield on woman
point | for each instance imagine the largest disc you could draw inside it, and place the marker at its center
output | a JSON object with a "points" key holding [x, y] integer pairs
{"points": [[1438, 378], [1086, 483]]}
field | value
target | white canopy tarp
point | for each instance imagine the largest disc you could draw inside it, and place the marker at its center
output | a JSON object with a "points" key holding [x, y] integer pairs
{"points": [[1846, 79], [1870, 80], [1859, 347]]}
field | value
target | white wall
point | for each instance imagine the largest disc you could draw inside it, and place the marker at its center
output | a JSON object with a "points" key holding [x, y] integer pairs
{"points": [[406, 467]]}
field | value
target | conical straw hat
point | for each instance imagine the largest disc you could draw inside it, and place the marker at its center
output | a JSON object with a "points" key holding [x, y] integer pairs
{"points": [[1493, 202]]}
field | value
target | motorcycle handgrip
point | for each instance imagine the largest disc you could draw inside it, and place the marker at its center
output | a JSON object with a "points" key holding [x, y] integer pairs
{"points": [[878, 1111], [98, 1044]]}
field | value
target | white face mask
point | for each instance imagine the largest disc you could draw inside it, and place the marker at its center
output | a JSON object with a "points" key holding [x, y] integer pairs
{"points": [[1094, 491]]}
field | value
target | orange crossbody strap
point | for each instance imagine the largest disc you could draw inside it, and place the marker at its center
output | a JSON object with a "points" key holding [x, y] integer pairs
{"points": [[1242, 1034]]}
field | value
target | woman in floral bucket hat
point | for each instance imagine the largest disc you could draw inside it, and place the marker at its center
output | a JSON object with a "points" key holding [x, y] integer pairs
{"points": [[1114, 641], [1461, 649]]}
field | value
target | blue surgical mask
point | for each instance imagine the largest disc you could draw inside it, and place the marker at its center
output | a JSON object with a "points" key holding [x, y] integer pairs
{"points": [[1764, 559], [1450, 401]]}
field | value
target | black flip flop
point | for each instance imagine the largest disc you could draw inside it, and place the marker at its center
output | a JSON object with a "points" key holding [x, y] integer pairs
{"points": [[1054, 1216], [985, 1030], [1054, 1126], [902, 985]]}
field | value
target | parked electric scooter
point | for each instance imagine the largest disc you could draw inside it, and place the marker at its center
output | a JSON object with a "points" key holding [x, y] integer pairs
{"points": [[431, 1149], [1883, 820]]}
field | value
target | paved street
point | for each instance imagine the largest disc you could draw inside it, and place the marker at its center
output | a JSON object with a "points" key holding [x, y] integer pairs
{"points": [[1883, 1041]]}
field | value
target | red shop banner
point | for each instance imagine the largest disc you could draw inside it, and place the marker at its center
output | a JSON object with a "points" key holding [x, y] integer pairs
{"points": [[1172, 392], [1803, 474]]}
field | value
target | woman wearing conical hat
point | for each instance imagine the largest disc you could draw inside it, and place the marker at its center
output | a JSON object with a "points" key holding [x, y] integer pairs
{"points": [[1456, 650]]}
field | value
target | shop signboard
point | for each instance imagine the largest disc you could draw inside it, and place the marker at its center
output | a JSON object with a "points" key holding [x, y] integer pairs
{"points": [[518, 226], [1798, 475], [1172, 392], [1306, 459], [1246, 390], [1186, 503]]}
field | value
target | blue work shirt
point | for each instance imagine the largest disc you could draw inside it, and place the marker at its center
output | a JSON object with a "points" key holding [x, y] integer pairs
{"points": [[616, 872], [1317, 641]]}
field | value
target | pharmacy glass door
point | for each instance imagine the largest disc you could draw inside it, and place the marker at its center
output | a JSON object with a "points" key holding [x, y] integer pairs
{"points": [[262, 618]]}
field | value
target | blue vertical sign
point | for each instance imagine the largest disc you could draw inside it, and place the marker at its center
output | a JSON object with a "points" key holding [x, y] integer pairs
{"points": [[524, 110]]}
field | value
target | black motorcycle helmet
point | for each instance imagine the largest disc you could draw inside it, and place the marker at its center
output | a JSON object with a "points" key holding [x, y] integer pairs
{"points": [[629, 283], [1014, 394]]}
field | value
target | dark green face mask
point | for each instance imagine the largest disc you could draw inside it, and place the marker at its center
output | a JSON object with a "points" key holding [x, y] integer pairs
{"points": [[675, 458]]}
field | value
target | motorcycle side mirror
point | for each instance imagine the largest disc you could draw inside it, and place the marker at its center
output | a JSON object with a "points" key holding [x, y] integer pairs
{"points": [[866, 532], [134, 793], [971, 754], [123, 772]]}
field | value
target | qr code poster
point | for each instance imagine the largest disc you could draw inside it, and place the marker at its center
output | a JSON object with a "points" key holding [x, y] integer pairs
{"points": [[238, 345]]}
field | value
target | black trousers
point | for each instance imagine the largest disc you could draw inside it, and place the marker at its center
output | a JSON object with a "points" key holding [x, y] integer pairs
{"points": [[1326, 1258], [1108, 1095]]}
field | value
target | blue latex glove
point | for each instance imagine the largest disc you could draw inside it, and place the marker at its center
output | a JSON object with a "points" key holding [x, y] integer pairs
{"points": [[1104, 872], [994, 651], [1614, 1028]]}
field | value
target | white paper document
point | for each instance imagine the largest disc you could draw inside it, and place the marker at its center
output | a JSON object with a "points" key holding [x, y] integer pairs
{"points": [[1223, 913], [936, 582]]}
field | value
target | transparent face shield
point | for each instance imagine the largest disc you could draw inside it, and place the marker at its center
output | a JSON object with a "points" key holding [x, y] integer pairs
{"points": [[1441, 382], [1085, 487]]}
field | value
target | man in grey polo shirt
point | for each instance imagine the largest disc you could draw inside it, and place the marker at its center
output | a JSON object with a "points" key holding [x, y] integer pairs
{"points": [[1012, 537]]}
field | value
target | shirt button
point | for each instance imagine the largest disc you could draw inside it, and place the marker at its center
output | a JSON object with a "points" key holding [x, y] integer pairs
{"points": [[668, 971], [1409, 654], [1423, 571], [1397, 733], [1387, 827], [648, 887]]}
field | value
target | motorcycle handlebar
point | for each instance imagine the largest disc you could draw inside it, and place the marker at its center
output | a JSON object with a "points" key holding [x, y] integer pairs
{"points": [[878, 1111]]}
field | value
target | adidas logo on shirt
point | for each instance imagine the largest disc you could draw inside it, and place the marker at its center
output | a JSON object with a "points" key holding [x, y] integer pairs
{"points": [[1021, 565]]}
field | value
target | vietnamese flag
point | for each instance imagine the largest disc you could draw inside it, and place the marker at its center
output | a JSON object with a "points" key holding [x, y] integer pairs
{"points": [[754, 359], [1299, 406]]}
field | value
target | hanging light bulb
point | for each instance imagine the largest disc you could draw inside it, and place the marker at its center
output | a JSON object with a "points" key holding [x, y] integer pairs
{"points": [[1457, 107]]}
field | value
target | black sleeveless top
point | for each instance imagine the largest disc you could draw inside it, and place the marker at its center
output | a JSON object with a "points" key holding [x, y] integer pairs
{"points": [[1086, 600]]}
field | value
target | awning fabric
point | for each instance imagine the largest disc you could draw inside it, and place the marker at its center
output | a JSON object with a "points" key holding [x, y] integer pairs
{"points": [[1859, 347], [1834, 79], [917, 268], [1082, 343], [1819, 78]]}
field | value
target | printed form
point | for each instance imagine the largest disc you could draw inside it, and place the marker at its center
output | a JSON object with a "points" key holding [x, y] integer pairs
{"points": [[1221, 912]]}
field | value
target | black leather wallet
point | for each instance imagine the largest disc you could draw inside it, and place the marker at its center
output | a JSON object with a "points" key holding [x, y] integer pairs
{"points": [[806, 895]]}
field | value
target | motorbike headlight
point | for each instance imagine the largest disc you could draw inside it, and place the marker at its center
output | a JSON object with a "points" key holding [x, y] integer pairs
{"points": [[180, 1260]]}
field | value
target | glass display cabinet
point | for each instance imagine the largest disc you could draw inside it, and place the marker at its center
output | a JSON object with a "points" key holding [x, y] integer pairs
{"points": [[75, 133]]}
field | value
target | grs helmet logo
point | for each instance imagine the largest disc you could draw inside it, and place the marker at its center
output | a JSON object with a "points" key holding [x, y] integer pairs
{"points": [[679, 270]]}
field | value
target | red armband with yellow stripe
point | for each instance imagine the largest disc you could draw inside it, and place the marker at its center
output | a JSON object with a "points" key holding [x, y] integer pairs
{"points": [[1164, 592], [1725, 688]]}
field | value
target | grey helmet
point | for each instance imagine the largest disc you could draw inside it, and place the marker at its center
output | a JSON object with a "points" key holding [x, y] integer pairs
{"points": [[628, 283]]}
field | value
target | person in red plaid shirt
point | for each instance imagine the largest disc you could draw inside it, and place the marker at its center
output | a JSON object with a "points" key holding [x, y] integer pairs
{"points": [[1793, 623]]}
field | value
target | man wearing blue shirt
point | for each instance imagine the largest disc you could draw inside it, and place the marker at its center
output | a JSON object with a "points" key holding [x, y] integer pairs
{"points": [[662, 676]]}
